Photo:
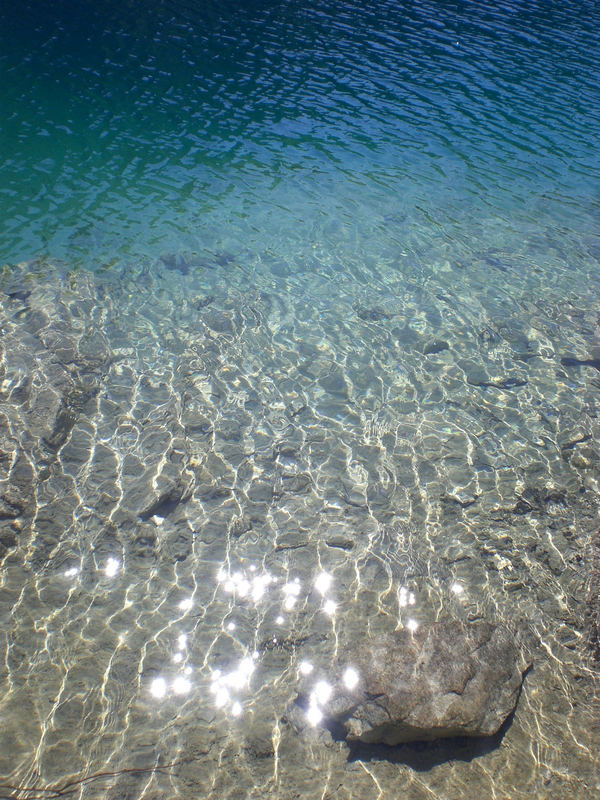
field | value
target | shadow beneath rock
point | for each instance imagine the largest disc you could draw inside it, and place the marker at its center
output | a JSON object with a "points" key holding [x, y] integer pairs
{"points": [[422, 756]]}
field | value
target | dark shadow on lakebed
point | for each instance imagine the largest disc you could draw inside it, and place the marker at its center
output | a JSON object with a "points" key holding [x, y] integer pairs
{"points": [[422, 756]]}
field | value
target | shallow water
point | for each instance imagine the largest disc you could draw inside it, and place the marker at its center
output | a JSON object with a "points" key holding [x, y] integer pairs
{"points": [[294, 289]]}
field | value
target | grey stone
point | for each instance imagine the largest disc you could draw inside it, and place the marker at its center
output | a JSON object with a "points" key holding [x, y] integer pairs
{"points": [[442, 680], [218, 321], [435, 346]]}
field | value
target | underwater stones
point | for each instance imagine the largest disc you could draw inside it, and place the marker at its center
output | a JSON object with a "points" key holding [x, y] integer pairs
{"points": [[8, 540], [176, 262], [335, 384], [296, 483], [218, 321], [167, 498], [12, 504], [442, 680], [340, 542], [476, 375], [94, 352], [570, 361], [179, 544], [593, 605], [435, 346], [371, 313]]}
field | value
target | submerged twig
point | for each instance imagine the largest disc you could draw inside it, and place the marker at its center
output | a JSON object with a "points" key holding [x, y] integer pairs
{"points": [[61, 790]]}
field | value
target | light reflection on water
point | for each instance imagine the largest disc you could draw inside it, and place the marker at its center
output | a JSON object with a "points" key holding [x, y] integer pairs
{"points": [[344, 252], [301, 532], [230, 684]]}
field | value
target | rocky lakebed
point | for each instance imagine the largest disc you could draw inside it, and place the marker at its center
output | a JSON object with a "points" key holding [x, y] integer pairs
{"points": [[270, 533]]}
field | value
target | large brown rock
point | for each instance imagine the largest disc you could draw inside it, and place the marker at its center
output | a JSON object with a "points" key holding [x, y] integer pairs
{"points": [[445, 679]]}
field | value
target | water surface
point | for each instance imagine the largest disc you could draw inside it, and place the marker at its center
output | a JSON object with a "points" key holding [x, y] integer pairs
{"points": [[291, 289]]}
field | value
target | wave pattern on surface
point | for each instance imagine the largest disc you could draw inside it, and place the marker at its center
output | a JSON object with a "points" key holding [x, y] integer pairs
{"points": [[208, 484]]}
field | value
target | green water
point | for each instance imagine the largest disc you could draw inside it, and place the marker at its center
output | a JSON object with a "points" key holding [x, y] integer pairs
{"points": [[228, 124]]}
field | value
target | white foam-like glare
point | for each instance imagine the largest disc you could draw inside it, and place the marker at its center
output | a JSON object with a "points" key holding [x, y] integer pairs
{"points": [[235, 680], [330, 607], [457, 588], [181, 685], [182, 641], [112, 567], [350, 678], [247, 666], [321, 693], [221, 697], [259, 586], [280, 620], [289, 602], [412, 625], [71, 572], [178, 657], [186, 604], [323, 582], [158, 687], [292, 588], [236, 709], [314, 715], [305, 668], [239, 677], [231, 626]]}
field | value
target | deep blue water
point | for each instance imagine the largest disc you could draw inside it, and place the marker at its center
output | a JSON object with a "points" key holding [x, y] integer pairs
{"points": [[130, 129]]}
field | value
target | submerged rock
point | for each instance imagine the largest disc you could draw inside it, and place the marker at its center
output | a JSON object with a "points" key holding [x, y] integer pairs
{"points": [[435, 346], [442, 680], [371, 313]]}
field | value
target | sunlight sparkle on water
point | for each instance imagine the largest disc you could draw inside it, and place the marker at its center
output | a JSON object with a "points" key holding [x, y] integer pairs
{"points": [[71, 572], [158, 688], [350, 678], [321, 693], [292, 588], [329, 607], [405, 597], [314, 715], [112, 567], [181, 685], [236, 709], [323, 582]]}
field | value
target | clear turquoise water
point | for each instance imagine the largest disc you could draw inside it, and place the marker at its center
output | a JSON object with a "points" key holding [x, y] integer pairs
{"points": [[293, 125], [293, 288]]}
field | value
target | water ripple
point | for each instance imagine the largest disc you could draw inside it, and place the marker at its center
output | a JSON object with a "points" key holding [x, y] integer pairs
{"points": [[109, 111]]}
